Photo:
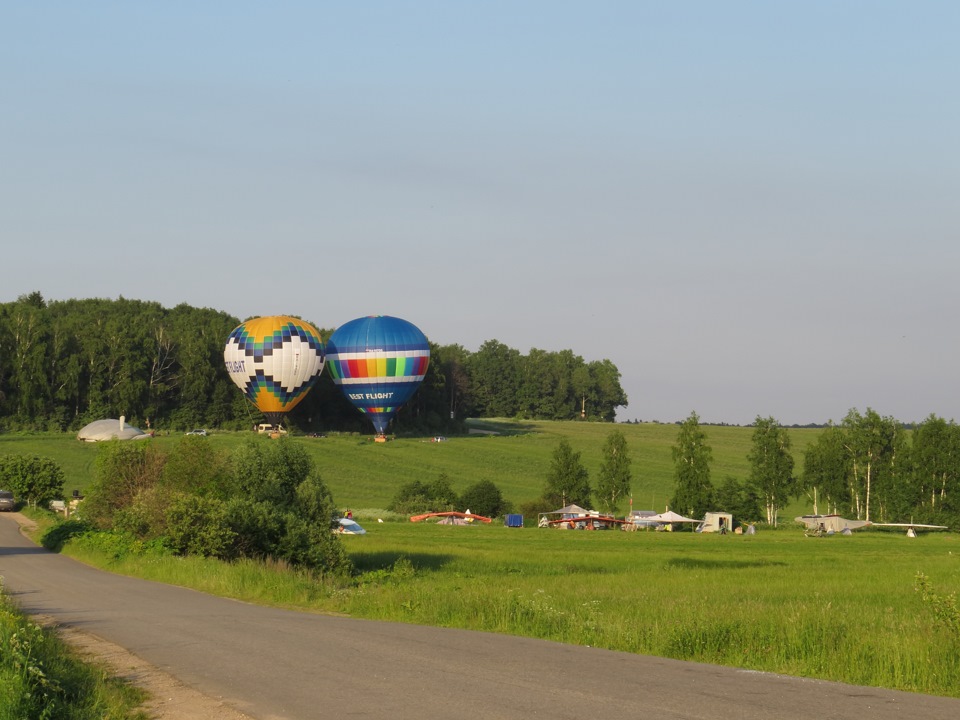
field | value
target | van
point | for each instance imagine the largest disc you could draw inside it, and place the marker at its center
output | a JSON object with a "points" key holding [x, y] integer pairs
{"points": [[7, 501], [268, 429]]}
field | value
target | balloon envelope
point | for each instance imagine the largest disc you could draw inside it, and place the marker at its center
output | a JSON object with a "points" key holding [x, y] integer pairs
{"points": [[378, 362], [275, 361]]}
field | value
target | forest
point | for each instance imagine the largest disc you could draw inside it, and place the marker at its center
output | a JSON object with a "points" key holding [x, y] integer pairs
{"points": [[66, 363]]}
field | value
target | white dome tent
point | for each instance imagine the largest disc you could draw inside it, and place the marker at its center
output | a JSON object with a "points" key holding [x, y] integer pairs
{"points": [[110, 429]]}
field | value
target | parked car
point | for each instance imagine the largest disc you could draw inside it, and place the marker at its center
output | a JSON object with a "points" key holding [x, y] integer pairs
{"points": [[198, 432], [348, 526], [7, 502]]}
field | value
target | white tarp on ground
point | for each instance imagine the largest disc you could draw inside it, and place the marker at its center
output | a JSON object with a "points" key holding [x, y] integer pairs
{"points": [[110, 429]]}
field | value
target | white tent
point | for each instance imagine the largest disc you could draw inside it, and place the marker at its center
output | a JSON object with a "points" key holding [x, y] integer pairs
{"points": [[570, 510], [567, 511], [110, 429], [669, 517], [641, 519], [666, 520]]}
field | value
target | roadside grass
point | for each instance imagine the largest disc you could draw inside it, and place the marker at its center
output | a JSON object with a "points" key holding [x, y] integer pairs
{"points": [[840, 608], [41, 677]]}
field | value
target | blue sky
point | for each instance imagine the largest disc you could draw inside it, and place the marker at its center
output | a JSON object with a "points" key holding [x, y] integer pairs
{"points": [[751, 208]]}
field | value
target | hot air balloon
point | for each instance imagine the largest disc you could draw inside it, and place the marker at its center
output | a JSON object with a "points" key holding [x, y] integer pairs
{"points": [[275, 361], [378, 362]]}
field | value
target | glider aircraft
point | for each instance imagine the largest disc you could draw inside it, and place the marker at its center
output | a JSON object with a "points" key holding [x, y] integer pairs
{"points": [[830, 524], [912, 527], [451, 514]]}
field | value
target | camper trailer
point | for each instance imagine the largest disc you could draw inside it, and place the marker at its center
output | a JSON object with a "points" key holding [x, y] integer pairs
{"points": [[717, 522]]}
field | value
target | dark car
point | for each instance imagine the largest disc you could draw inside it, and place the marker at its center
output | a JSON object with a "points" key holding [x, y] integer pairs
{"points": [[7, 501]]}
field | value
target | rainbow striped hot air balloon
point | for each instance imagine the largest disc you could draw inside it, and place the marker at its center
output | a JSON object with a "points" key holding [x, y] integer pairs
{"points": [[275, 361], [378, 362]]}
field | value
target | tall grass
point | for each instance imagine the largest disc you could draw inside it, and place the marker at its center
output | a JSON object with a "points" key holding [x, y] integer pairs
{"points": [[40, 677]]}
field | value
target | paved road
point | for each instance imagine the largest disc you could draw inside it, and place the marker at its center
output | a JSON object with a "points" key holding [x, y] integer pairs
{"points": [[279, 664]]}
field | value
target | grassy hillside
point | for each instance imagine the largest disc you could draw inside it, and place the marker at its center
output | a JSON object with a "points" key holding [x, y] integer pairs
{"points": [[363, 474]]}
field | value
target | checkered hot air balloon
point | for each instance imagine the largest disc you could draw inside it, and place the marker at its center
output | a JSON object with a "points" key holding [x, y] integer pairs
{"points": [[275, 361], [378, 362]]}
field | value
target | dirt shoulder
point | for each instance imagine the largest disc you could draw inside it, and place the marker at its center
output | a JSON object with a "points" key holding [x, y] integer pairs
{"points": [[168, 698]]}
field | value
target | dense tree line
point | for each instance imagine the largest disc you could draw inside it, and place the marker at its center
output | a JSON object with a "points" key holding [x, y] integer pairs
{"points": [[871, 467], [867, 467], [66, 363]]}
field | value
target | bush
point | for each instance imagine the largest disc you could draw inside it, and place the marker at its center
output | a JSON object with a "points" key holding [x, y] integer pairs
{"points": [[36, 480], [257, 527], [57, 536], [484, 498], [124, 470], [307, 544], [946, 611], [416, 497], [199, 526]]}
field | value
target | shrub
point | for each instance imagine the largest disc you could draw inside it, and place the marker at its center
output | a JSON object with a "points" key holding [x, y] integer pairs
{"points": [[36, 480], [945, 610], [417, 497], [123, 471], [199, 526], [484, 498], [257, 527], [57, 536]]}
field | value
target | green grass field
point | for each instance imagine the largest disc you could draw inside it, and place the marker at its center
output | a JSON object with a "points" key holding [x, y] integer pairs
{"points": [[838, 608], [364, 474]]}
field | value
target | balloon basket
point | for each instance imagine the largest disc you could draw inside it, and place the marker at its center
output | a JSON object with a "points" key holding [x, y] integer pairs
{"points": [[380, 438]]}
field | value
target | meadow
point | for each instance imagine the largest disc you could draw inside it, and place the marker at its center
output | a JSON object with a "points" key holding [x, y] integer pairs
{"points": [[365, 475], [838, 608]]}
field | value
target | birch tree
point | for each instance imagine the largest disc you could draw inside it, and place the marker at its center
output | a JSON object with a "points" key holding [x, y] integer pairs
{"points": [[771, 466], [874, 444], [936, 461]]}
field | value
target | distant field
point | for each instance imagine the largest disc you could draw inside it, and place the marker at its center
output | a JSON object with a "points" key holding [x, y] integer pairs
{"points": [[364, 474]]}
